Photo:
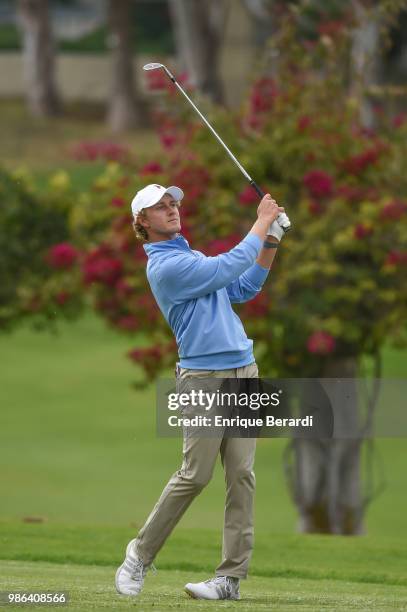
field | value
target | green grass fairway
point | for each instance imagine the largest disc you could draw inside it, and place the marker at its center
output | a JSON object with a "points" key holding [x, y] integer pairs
{"points": [[307, 572], [78, 451], [90, 588], [370, 559]]}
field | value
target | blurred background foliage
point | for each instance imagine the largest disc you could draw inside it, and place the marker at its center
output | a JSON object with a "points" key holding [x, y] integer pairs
{"points": [[341, 289], [321, 123], [151, 32]]}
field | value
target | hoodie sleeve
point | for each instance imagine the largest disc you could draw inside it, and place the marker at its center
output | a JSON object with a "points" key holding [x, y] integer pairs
{"points": [[248, 285], [186, 276]]}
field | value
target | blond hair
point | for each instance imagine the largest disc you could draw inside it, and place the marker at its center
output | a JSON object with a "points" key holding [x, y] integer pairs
{"points": [[140, 230]]}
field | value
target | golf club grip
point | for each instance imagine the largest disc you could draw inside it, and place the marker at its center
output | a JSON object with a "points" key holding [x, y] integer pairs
{"points": [[257, 189]]}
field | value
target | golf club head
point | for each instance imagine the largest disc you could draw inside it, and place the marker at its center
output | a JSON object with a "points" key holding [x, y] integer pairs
{"points": [[153, 66]]}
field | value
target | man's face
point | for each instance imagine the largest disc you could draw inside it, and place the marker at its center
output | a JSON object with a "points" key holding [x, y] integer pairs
{"points": [[162, 220]]}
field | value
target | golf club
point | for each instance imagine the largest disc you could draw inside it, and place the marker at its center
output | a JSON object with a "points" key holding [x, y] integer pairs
{"points": [[286, 226]]}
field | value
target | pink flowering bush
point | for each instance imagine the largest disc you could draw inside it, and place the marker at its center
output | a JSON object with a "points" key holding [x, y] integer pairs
{"points": [[62, 255], [318, 184], [151, 168], [321, 343], [100, 151], [338, 288], [102, 267]]}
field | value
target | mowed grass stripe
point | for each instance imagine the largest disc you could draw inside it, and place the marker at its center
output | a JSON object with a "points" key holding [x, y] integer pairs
{"points": [[92, 588], [363, 559]]}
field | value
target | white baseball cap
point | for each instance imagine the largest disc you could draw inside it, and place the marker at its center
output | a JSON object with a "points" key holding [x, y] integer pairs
{"points": [[150, 195]]}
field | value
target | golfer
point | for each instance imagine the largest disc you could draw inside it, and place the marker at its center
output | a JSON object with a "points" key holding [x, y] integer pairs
{"points": [[195, 294]]}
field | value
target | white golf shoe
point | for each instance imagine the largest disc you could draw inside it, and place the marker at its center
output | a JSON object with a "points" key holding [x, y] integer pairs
{"points": [[220, 587], [130, 575]]}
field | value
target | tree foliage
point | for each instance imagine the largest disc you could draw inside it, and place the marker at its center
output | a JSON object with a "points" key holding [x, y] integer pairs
{"points": [[338, 288], [37, 259]]}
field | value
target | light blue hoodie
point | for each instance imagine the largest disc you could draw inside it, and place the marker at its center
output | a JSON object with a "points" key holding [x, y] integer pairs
{"points": [[195, 292]]}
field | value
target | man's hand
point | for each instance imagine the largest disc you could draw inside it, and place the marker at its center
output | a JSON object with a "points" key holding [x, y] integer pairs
{"points": [[267, 212], [276, 228], [268, 209]]}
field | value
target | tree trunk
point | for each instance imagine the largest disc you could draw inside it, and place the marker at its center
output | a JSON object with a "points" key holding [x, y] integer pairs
{"points": [[199, 28], [326, 473], [38, 57], [124, 107], [364, 59]]}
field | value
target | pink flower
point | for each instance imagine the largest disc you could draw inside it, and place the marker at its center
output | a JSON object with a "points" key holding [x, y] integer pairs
{"points": [[128, 323], [315, 208], [318, 183], [194, 181], [361, 231], [117, 202], [396, 258], [165, 123], [303, 122], [62, 256], [221, 245], [168, 140], [356, 164], [183, 79], [101, 267], [157, 80], [399, 120], [124, 244], [321, 343], [355, 193], [92, 150], [258, 306], [152, 167], [146, 354], [248, 196], [393, 211], [187, 232], [263, 93], [62, 297], [123, 288], [254, 122], [148, 307], [350, 192], [139, 253]]}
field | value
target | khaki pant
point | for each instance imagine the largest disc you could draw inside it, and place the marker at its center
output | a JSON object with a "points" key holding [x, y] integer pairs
{"points": [[199, 458]]}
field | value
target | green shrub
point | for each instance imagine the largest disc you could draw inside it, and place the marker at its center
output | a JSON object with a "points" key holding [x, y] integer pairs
{"points": [[36, 257]]}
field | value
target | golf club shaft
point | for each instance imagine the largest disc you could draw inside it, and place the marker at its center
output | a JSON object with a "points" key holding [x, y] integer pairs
{"points": [[253, 184], [257, 189]]}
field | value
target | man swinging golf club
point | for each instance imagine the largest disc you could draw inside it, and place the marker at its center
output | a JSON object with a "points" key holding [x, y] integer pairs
{"points": [[195, 293]]}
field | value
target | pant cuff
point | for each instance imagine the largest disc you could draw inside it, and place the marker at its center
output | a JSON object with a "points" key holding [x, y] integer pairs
{"points": [[230, 575]]}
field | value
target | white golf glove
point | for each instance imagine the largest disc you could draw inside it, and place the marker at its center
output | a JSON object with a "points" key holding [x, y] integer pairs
{"points": [[276, 228]]}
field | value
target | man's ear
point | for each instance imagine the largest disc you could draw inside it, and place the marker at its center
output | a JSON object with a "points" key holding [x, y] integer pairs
{"points": [[142, 220]]}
